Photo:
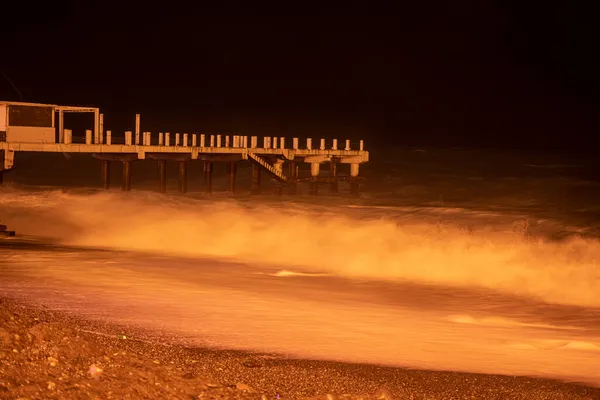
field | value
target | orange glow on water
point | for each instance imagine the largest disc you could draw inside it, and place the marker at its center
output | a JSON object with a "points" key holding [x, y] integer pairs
{"points": [[483, 300]]}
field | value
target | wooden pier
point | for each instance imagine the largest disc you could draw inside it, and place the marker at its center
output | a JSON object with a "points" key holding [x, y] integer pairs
{"points": [[30, 127]]}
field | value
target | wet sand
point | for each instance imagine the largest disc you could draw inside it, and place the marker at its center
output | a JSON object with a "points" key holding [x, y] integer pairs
{"points": [[48, 354]]}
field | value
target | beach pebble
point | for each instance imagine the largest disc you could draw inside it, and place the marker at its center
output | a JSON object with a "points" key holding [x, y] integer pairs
{"points": [[383, 394], [4, 337], [252, 364], [244, 387], [95, 371]]}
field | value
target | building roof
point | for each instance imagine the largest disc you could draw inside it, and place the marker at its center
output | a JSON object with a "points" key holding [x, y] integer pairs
{"points": [[55, 106]]}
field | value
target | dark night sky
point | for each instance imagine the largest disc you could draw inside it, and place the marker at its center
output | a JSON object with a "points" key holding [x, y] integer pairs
{"points": [[467, 74]]}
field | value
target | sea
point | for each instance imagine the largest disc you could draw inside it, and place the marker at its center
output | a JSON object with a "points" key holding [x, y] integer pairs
{"points": [[455, 259]]}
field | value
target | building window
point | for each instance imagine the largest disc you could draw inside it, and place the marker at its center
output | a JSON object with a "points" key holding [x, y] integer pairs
{"points": [[30, 116]]}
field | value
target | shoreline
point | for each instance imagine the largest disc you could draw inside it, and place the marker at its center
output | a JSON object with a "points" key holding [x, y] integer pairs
{"points": [[49, 354]]}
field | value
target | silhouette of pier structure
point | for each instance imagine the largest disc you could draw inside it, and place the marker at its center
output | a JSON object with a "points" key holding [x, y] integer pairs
{"points": [[5, 232], [32, 127]]}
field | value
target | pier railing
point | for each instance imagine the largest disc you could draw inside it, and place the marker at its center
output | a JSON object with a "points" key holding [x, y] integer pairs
{"points": [[267, 153]]}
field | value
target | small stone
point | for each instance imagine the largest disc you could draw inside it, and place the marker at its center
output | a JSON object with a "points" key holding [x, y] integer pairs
{"points": [[213, 385], [51, 385], [4, 337], [52, 361], [244, 387], [383, 394], [94, 371], [268, 357], [251, 364]]}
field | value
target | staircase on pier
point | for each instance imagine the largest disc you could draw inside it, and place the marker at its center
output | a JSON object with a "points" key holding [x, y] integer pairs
{"points": [[267, 166]]}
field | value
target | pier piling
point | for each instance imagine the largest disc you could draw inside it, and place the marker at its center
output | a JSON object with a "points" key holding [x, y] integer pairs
{"points": [[105, 171], [232, 172], [126, 186], [208, 169], [293, 174], [333, 188], [314, 174], [256, 179], [182, 176], [162, 175], [354, 179]]}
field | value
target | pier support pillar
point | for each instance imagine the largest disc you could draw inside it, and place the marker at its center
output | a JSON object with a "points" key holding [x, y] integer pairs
{"points": [[354, 182], [61, 127], [293, 175], [314, 174], [333, 188], [182, 176], [105, 171], [231, 173], [256, 178], [162, 176], [278, 165], [2, 166], [208, 169], [126, 186]]}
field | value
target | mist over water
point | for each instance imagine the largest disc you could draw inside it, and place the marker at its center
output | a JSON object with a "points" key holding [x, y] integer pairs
{"points": [[447, 267], [340, 240]]}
